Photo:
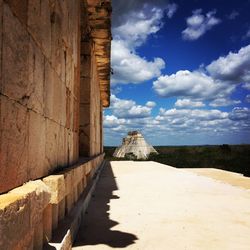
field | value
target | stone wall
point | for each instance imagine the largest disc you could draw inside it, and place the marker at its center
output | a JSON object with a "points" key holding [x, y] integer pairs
{"points": [[90, 100], [39, 88], [30, 214]]}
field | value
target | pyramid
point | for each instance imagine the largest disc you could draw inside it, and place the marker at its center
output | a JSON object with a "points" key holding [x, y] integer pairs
{"points": [[134, 146]]}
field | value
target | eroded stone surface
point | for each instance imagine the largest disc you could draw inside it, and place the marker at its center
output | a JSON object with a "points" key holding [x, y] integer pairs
{"points": [[38, 167], [15, 57], [20, 213], [13, 144]]}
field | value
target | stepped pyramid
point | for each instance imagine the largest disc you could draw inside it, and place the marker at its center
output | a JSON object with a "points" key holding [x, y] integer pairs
{"points": [[134, 146]]}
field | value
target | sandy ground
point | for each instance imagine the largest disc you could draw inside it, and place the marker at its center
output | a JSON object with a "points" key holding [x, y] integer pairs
{"points": [[147, 205]]}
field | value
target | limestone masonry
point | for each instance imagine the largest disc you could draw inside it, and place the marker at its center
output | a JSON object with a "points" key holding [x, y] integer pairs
{"points": [[134, 145], [54, 83]]}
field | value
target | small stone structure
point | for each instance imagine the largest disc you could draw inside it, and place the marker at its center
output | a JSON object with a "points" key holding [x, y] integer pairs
{"points": [[134, 146], [54, 83]]}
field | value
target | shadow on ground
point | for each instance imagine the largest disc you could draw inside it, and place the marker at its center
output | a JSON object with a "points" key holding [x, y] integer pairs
{"points": [[96, 227]]}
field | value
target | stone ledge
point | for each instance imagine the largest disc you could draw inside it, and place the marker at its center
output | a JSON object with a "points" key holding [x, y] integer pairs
{"points": [[21, 211], [29, 214], [64, 236]]}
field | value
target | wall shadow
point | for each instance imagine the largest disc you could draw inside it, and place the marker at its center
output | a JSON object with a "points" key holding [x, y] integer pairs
{"points": [[96, 225]]}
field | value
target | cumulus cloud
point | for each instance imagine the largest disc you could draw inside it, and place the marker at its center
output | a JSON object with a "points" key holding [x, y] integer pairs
{"points": [[240, 113], [215, 82], [246, 86], [187, 114], [131, 68], [223, 102], [184, 103], [138, 27], [198, 24], [234, 68], [133, 31], [150, 104], [123, 108], [122, 9], [111, 121], [196, 85], [182, 123]]}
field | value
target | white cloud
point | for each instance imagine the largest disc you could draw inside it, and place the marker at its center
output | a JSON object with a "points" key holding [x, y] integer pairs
{"points": [[150, 104], [129, 67], [196, 85], [191, 114], [138, 26], [239, 113], [198, 24], [215, 82], [111, 121], [184, 103], [234, 68], [180, 125], [223, 102], [122, 108], [171, 9], [246, 86], [122, 9]]}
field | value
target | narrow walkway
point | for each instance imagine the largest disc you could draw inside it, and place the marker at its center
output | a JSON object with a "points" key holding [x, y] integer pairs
{"points": [[150, 206]]}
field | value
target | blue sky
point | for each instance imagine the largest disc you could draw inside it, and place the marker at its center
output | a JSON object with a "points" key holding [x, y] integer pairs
{"points": [[181, 72]]}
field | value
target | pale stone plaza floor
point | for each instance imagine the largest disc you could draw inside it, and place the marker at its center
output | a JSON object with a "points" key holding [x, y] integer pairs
{"points": [[150, 206]]}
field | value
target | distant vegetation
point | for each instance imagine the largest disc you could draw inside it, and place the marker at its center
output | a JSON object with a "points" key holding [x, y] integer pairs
{"points": [[234, 158]]}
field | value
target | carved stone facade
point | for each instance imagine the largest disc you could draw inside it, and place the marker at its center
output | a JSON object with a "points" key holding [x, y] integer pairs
{"points": [[54, 82]]}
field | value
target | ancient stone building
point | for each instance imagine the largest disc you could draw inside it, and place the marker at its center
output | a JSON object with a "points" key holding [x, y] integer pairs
{"points": [[54, 83], [134, 146]]}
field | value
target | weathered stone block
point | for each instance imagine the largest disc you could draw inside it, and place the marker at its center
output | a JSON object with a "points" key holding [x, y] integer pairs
{"points": [[51, 145], [69, 70], [35, 90], [76, 115], [84, 118], [62, 152], [54, 216], [76, 146], [38, 236], [56, 184], [14, 210], [47, 224], [63, 109], [39, 24], [76, 89], [58, 54], [53, 94], [38, 167], [71, 147], [16, 57], [13, 144], [69, 202], [85, 90], [61, 210], [86, 66], [20, 213], [20, 8], [68, 108], [68, 181]]}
